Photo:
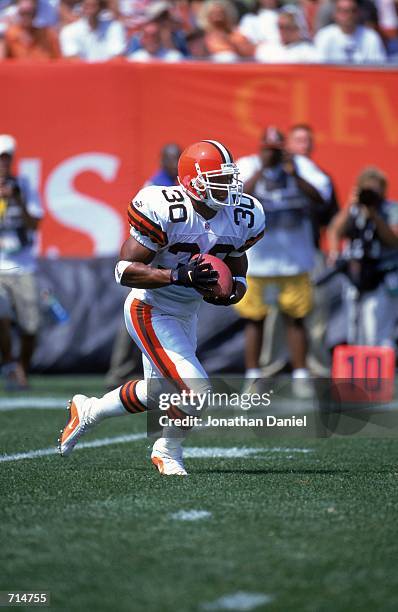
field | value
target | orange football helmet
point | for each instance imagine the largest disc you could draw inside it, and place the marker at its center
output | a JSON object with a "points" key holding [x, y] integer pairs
{"points": [[200, 164]]}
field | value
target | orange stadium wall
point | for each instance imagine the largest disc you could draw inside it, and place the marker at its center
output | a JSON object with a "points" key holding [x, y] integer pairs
{"points": [[89, 135]]}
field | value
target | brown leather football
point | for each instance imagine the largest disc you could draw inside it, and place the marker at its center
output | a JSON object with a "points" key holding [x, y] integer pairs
{"points": [[224, 285]]}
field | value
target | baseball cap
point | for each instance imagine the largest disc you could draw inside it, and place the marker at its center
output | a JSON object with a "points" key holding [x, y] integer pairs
{"points": [[273, 138], [157, 9], [7, 144]]}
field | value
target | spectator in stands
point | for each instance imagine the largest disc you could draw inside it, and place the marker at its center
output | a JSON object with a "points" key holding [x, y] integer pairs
{"points": [[347, 41], [23, 40], [126, 357], [95, 37], [280, 263], [293, 46], [262, 25], [151, 46], [368, 13], [132, 13], [69, 12], [173, 37], [370, 223], [159, 38], [225, 42], [19, 303], [196, 45], [46, 15], [187, 12], [300, 144]]}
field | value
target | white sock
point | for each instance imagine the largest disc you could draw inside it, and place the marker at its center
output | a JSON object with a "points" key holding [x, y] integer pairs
{"points": [[173, 436], [253, 373], [110, 405], [301, 373]]}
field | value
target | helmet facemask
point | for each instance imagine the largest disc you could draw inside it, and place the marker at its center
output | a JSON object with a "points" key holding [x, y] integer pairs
{"points": [[204, 185]]}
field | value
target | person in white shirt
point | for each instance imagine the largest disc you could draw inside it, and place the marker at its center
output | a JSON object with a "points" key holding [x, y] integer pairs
{"points": [[152, 48], [300, 144], [348, 42], [94, 37], [20, 215], [279, 265], [261, 26], [293, 46]]}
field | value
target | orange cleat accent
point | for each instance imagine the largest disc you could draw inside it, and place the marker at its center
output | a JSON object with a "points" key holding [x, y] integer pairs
{"points": [[167, 458], [158, 463], [82, 417], [72, 423]]}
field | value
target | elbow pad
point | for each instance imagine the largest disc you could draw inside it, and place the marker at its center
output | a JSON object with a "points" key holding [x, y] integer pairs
{"points": [[120, 268]]}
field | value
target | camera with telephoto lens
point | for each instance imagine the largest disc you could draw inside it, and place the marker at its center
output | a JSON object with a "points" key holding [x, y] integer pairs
{"points": [[370, 198]]}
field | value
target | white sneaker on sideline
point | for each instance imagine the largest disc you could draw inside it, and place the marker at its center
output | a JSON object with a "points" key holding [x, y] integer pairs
{"points": [[303, 388]]}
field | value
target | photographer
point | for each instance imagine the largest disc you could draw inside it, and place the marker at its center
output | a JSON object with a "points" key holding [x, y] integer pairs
{"points": [[280, 263], [370, 224], [19, 218]]}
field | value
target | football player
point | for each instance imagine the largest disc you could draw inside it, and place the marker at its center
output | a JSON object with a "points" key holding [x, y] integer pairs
{"points": [[206, 213]]}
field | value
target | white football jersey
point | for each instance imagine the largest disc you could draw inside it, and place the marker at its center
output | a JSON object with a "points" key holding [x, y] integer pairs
{"points": [[164, 220]]}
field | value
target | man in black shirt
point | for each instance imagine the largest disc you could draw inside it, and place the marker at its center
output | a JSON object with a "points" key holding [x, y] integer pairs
{"points": [[370, 224]]}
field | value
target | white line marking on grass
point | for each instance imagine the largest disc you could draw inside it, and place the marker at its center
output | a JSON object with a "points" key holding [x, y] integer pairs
{"points": [[190, 515], [238, 601], [191, 452], [92, 444], [213, 452], [281, 449], [8, 404]]}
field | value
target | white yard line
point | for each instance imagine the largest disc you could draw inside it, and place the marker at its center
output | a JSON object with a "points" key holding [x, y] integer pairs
{"points": [[190, 515], [238, 601], [42, 452], [235, 452], [191, 452], [9, 404]]}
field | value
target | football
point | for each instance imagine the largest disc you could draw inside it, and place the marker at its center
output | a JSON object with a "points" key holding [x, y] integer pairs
{"points": [[224, 285]]}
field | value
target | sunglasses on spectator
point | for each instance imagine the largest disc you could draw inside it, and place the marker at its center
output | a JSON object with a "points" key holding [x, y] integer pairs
{"points": [[347, 10]]}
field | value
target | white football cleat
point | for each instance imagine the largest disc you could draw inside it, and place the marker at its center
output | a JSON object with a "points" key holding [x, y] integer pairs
{"points": [[168, 459], [82, 417]]}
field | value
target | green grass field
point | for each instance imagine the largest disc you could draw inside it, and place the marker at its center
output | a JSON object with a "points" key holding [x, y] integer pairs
{"points": [[312, 531]]}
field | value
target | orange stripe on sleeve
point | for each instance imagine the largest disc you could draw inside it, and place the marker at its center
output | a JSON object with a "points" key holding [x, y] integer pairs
{"points": [[148, 227], [139, 227]]}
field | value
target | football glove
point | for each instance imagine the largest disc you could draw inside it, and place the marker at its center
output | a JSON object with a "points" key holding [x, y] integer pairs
{"points": [[195, 274]]}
